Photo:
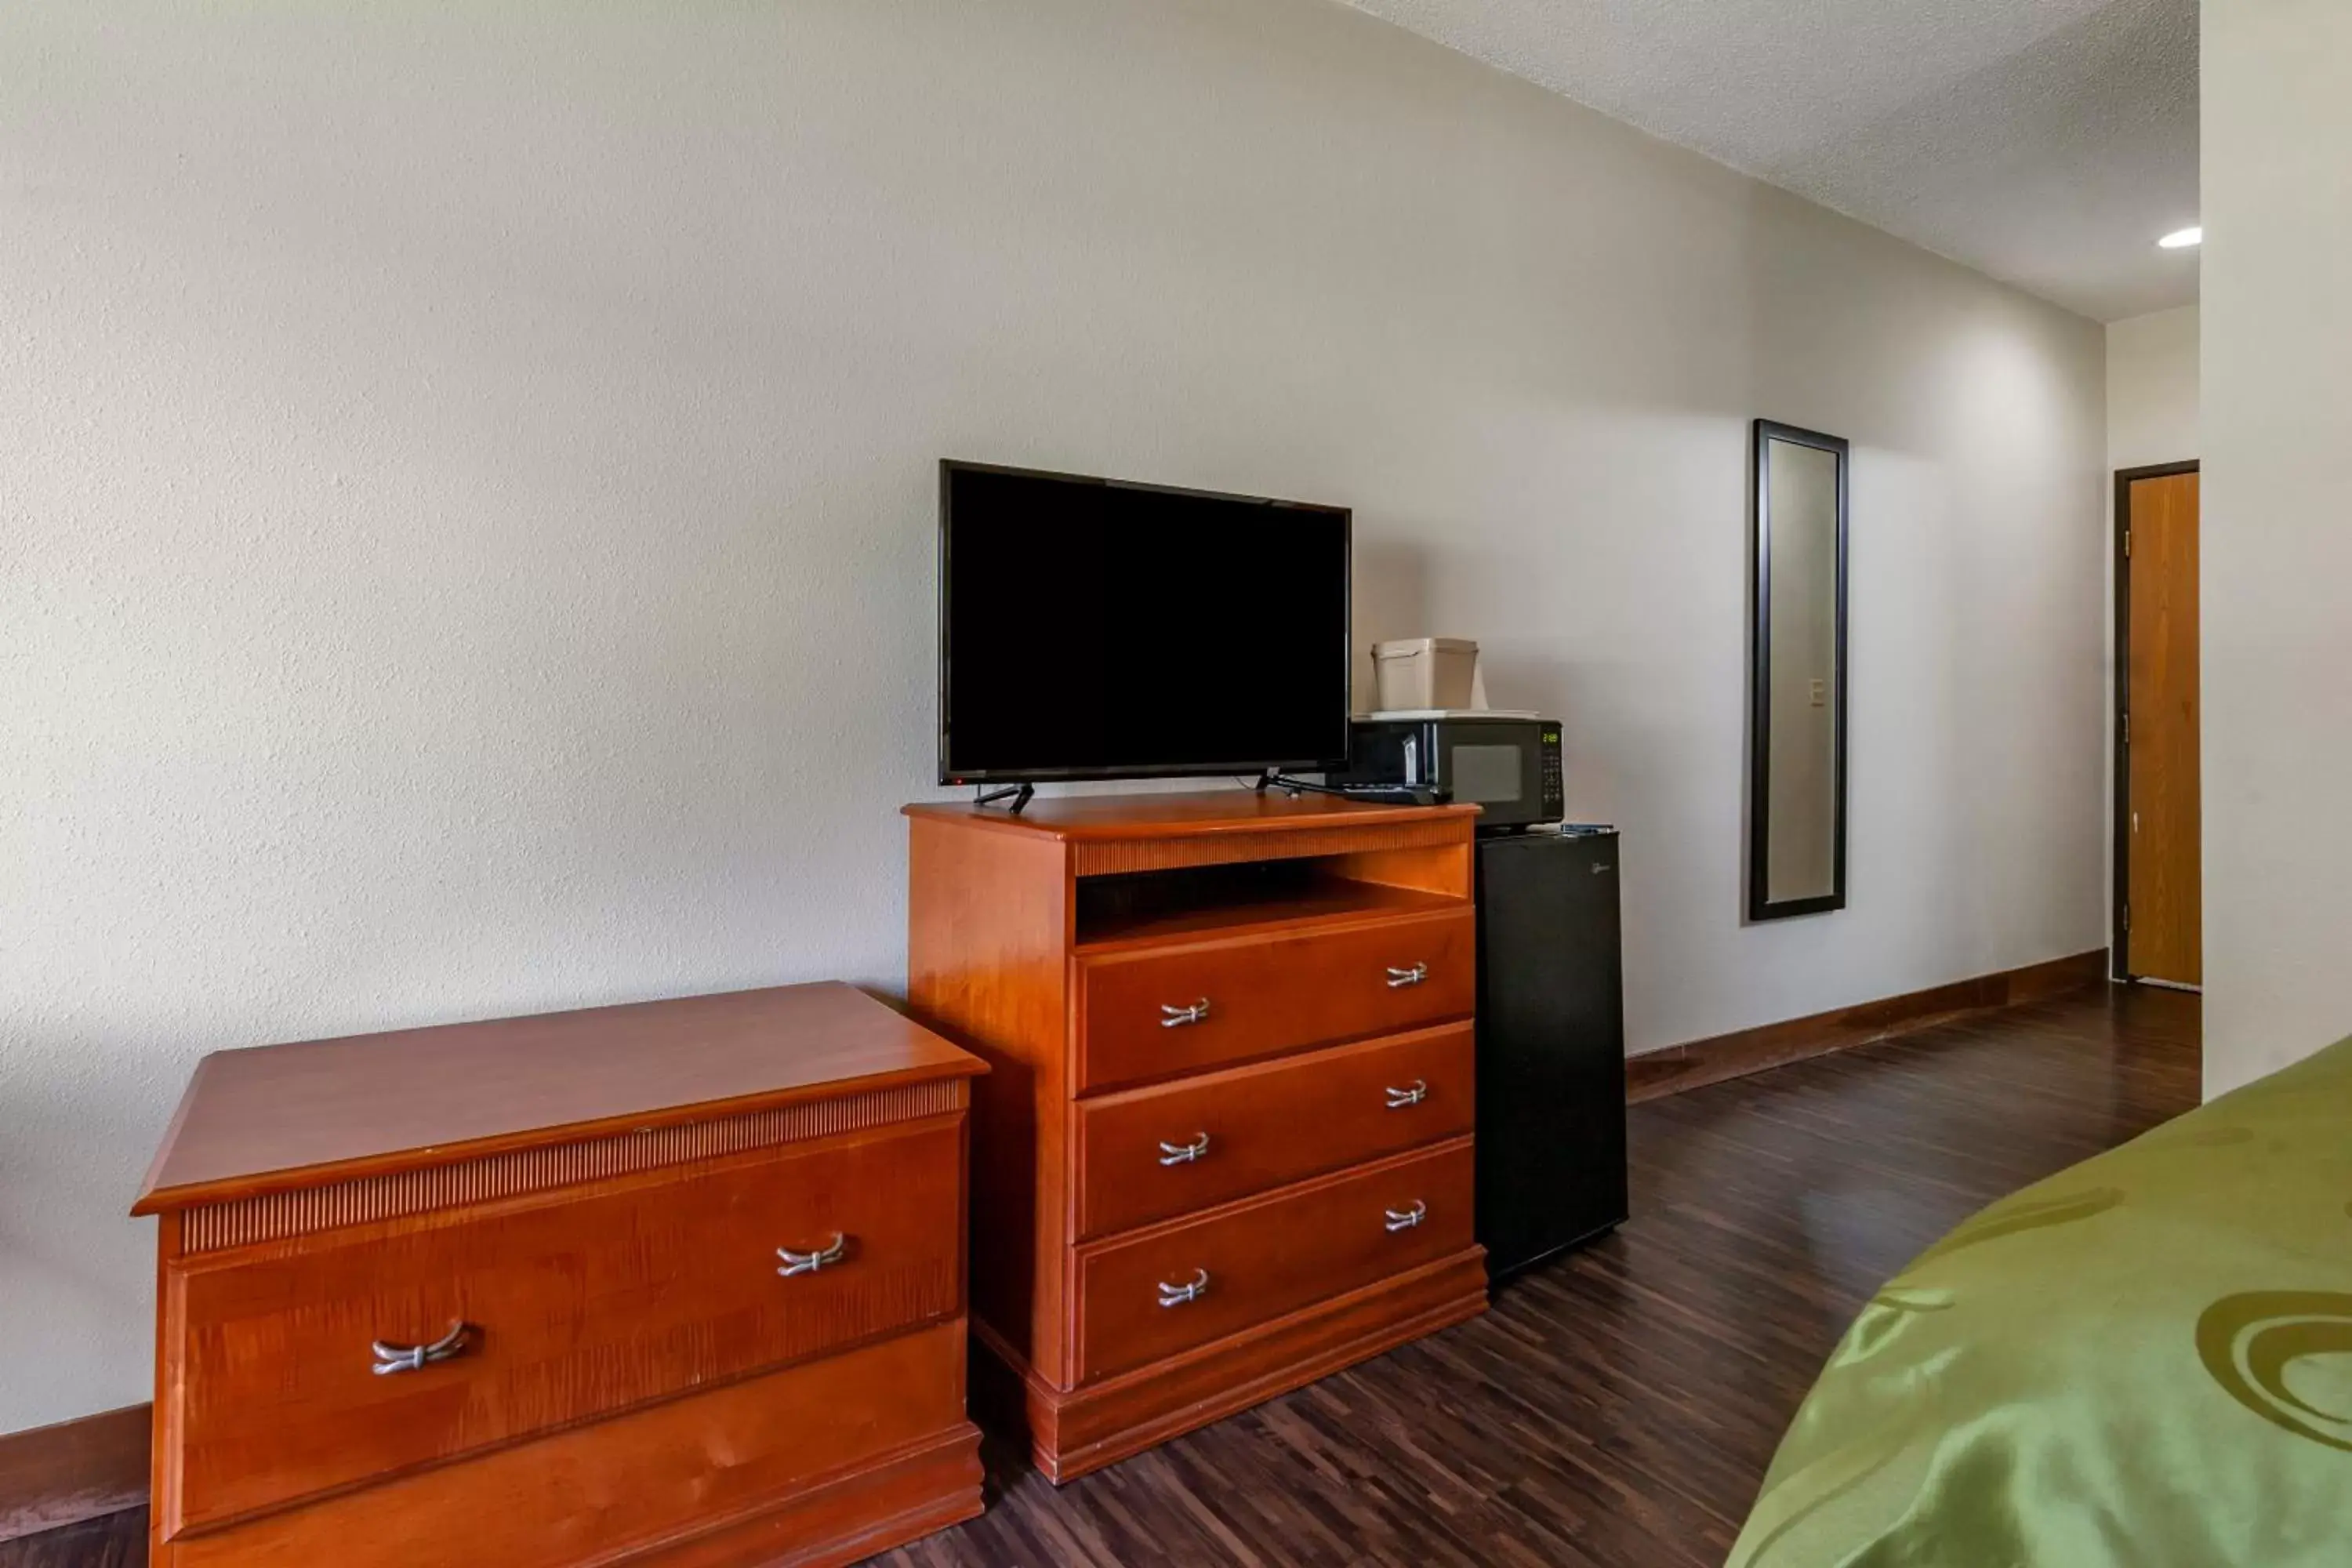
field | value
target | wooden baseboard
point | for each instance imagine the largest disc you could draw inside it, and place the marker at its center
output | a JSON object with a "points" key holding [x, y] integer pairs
{"points": [[55, 1476], [1745, 1051]]}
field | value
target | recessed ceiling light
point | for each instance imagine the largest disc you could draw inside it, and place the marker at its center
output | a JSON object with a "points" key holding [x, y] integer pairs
{"points": [[2182, 239]]}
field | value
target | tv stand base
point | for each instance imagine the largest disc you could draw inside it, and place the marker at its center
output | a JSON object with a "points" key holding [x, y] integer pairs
{"points": [[1021, 795]]}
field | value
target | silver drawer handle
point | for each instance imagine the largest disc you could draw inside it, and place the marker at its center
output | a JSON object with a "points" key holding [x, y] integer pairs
{"points": [[825, 1257], [1400, 1098], [1176, 1017], [1410, 1218], [1400, 978], [1183, 1154], [390, 1359], [1191, 1289]]}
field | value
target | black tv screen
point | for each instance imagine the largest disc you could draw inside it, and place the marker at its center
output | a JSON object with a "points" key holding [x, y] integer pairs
{"points": [[1090, 628]]}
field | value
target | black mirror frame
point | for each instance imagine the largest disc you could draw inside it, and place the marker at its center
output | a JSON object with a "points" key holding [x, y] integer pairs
{"points": [[1760, 906]]}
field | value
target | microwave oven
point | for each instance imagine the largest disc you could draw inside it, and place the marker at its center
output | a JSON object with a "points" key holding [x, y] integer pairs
{"points": [[1506, 765]]}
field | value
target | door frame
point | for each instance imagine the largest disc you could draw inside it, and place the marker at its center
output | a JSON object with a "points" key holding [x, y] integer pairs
{"points": [[2120, 937]]}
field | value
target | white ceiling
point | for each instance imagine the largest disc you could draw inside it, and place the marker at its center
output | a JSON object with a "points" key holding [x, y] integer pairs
{"points": [[2047, 143]]}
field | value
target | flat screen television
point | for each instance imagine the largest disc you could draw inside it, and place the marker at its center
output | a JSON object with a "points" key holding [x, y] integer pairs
{"points": [[1093, 628]]}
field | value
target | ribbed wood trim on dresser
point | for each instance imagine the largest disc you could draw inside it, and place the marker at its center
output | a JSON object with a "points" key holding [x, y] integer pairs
{"points": [[273, 1216], [1098, 857]]}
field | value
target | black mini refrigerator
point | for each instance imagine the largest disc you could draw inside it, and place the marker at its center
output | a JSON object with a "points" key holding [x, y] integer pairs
{"points": [[1552, 1045]]}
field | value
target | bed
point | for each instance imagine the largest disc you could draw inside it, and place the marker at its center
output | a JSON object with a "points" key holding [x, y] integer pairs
{"points": [[2143, 1362]]}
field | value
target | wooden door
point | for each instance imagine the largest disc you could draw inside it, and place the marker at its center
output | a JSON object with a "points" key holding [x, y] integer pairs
{"points": [[2162, 884]]}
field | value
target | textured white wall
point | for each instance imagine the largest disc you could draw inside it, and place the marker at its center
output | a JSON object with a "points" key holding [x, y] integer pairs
{"points": [[2277, 538], [2152, 389], [469, 517]]}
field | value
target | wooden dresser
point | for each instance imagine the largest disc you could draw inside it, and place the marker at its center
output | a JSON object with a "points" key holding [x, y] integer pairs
{"points": [[1225, 1145], [680, 1283]]}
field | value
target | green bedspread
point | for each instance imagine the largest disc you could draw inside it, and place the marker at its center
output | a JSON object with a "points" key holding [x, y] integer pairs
{"points": [[2143, 1362]]}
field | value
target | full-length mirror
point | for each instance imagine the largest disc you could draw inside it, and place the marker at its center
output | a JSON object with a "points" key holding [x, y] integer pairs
{"points": [[1797, 667]]}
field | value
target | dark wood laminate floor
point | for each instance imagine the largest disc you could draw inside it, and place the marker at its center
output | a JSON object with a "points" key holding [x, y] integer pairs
{"points": [[1618, 1407]]}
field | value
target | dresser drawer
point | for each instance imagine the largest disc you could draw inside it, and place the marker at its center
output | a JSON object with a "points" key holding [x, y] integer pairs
{"points": [[573, 1304], [1148, 1155], [1253, 1263], [765, 1454], [1158, 1012]]}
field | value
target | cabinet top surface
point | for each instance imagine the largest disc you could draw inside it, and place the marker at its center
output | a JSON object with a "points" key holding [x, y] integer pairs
{"points": [[273, 1117], [1176, 815]]}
